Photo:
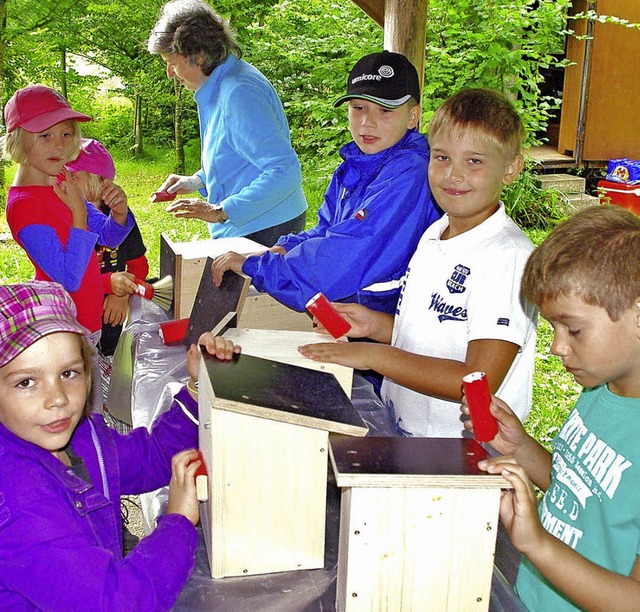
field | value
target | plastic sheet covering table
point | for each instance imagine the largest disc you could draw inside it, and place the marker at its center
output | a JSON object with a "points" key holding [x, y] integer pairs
{"points": [[146, 375]]}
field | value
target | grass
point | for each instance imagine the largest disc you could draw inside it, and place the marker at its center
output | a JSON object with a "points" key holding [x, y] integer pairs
{"points": [[554, 391]]}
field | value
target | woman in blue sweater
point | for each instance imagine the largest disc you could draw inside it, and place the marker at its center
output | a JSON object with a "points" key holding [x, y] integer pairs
{"points": [[250, 175]]}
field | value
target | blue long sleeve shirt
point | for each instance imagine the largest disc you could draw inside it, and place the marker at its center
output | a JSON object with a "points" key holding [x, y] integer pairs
{"points": [[374, 213], [248, 164]]}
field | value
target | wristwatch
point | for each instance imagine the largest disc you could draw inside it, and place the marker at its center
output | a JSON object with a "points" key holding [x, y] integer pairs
{"points": [[221, 216]]}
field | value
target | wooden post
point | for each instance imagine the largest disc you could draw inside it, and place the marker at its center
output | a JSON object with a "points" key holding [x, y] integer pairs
{"points": [[404, 30], [404, 23]]}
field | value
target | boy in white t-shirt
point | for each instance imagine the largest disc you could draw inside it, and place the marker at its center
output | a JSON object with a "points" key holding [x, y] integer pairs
{"points": [[461, 307]]}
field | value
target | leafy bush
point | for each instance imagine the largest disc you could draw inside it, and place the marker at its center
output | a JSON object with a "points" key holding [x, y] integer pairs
{"points": [[502, 45], [112, 121], [529, 205]]}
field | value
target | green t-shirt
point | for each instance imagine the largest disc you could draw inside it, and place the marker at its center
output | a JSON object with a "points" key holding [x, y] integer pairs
{"points": [[593, 502]]}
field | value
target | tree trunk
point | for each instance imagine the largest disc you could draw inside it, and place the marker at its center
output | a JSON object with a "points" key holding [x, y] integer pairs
{"points": [[63, 72], [179, 139], [138, 148]]}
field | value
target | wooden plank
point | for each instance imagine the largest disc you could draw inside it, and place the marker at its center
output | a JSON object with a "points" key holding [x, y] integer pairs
{"points": [[281, 392], [373, 8], [213, 303], [261, 311], [185, 262], [283, 346], [611, 120], [409, 546], [411, 462]]}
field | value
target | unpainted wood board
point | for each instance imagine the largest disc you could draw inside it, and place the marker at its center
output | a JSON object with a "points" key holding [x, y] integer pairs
{"points": [[282, 392], [428, 462], [415, 547], [262, 311], [268, 495], [282, 345], [185, 261], [193, 249]]}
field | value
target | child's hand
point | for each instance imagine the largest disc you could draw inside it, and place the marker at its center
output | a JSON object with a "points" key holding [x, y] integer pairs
{"points": [[518, 507], [351, 354], [222, 263], [115, 309], [70, 192], [122, 284], [361, 319], [215, 345], [116, 199], [511, 433], [182, 488]]}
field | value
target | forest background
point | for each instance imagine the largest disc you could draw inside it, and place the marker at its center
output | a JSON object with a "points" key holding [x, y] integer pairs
{"points": [[94, 52]]}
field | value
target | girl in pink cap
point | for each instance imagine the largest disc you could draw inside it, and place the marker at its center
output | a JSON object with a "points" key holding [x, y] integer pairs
{"points": [[95, 172]]}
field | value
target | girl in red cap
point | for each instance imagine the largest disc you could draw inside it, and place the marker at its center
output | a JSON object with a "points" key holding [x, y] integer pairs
{"points": [[46, 212]]}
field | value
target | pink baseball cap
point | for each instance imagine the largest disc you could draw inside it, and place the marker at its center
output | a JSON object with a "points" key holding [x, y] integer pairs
{"points": [[37, 108], [30, 311], [93, 158]]}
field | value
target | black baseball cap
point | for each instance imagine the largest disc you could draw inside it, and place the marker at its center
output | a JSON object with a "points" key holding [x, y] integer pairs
{"points": [[386, 78]]}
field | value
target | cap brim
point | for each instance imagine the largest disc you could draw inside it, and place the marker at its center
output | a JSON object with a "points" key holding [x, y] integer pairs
{"points": [[46, 120], [380, 101], [23, 338]]}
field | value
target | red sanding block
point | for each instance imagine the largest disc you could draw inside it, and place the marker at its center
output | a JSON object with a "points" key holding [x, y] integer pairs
{"points": [[202, 485], [476, 389], [173, 332], [162, 196]]}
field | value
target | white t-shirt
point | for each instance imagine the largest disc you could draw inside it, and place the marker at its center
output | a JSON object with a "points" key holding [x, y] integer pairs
{"points": [[457, 290]]}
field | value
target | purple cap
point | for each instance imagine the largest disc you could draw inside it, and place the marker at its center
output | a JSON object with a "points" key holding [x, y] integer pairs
{"points": [[30, 311], [93, 158]]}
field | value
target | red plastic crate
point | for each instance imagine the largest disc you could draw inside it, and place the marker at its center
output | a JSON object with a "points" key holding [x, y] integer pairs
{"points": [[620, 194]]}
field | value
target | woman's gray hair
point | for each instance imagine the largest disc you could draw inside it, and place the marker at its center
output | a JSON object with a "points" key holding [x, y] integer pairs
{"points": [[193, 29]]}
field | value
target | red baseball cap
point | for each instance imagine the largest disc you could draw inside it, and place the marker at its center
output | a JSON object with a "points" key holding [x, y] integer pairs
{"points": [[37, 108]]}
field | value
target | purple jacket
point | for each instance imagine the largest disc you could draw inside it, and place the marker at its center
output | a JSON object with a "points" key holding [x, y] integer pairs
{"points": [[61, 538]]}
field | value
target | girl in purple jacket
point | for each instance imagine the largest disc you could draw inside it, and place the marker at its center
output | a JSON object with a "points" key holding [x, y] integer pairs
{"points": [[62, 471]]}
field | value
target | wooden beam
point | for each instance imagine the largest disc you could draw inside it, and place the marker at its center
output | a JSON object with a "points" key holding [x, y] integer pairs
{"points": [[373, 8]]}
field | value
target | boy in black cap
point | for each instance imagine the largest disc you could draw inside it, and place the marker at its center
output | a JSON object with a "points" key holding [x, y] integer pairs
{"points": [[375, 209]]}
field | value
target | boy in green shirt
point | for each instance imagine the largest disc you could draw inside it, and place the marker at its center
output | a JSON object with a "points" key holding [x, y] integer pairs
{"points": [[581, 547]]}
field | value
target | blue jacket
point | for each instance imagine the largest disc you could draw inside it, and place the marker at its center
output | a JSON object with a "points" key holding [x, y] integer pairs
{"points": [[374, 213], [248, 164], [61, 537]]}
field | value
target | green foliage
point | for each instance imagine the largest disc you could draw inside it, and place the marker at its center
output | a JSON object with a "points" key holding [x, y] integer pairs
{"points": [[307, 49], [530, 205], [502, 45], [112, 121], [554, 390]]}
